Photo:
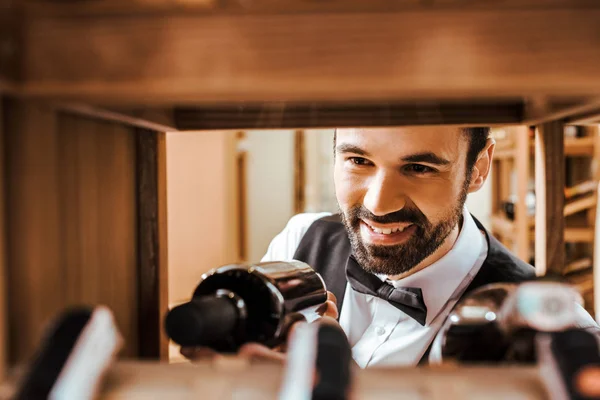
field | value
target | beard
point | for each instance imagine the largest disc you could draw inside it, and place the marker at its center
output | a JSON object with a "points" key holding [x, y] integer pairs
{"points": [[401, 258]]}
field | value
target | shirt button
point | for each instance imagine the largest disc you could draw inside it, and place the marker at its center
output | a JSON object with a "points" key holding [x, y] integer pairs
{"points": [[379, 331]]}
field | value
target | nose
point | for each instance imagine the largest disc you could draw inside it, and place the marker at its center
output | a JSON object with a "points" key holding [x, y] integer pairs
{"points": [[384, 195]]}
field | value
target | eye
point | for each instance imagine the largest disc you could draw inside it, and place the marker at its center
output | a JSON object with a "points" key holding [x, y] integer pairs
{"points": [[418, 169], [359, 161]]}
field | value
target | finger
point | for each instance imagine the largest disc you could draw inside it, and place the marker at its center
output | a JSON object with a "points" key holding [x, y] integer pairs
{"points": [[256, 351], [198, 353], [328, 309], [331, 297], [588, 382]]}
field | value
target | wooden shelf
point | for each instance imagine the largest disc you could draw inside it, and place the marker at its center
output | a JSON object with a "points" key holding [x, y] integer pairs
{"points": [[506, 228], [579, 146], [582, 204]]}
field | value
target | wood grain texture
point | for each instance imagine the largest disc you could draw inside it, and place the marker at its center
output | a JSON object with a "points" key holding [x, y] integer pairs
{"points": [[231, 380], [71, 221], [522, 158], [163, 246], [289, 6], [159, 120], [188, 57], [10, 20], [151, 273], [3, 267], [549, 208], [347, 114]]}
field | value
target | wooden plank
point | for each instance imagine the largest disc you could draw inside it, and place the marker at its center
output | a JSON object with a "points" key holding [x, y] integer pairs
{"points": [[549, 187], [299, 172], [350, 114], [522, 156], [579, 235], [152, 276], [183, 57], [596, 260], [539, 109], [290, 6], [578, 205], [70, 198], [163, 237], [3, 267], [581, 146], [159, 120], [588, 118], [10, 20]]}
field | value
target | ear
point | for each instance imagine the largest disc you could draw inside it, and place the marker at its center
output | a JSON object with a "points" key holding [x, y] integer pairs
{"points": [[482, 166]]}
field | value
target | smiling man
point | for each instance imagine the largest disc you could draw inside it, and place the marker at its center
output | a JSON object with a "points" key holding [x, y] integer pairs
{"points": [[404, 248]]}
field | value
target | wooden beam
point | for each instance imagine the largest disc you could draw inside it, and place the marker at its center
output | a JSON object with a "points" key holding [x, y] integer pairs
{"points": [[3, 266], [549, 188], [540, 109], [587, 118], [159, 120], [349, 114], [186, 57], [10, 21], [522, 156], [152, 272], [116, 7]]}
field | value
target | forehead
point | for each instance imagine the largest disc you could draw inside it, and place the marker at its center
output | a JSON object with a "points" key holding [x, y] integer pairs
{"points": [[447, 141]]}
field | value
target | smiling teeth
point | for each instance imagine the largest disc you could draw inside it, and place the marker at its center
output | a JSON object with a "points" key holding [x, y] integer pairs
{"points": [[387, 231]]}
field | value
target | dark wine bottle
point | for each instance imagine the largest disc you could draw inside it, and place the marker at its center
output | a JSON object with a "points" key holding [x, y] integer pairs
{"points": [[237, 304]]}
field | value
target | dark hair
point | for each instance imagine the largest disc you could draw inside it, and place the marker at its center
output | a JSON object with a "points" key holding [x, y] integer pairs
{"points": [[477, 138]]}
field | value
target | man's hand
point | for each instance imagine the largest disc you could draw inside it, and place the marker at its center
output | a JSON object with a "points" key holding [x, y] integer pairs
{"points": [[257, 351], [587, 382]]}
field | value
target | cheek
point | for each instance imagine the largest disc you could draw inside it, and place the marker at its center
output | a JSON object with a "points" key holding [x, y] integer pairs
{"points": [[348, 188], [435, 199]]}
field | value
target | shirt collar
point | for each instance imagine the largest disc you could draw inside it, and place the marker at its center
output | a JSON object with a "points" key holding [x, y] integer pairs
{"points": [[439, 280]]}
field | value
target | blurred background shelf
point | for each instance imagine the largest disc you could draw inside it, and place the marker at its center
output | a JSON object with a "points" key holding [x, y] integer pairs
{"points": [[513, 198]]}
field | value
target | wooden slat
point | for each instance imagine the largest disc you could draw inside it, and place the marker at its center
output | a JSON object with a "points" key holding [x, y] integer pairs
{"points": [[70, 198], [230, 379], [582, 146], [549, 180], [186, 57], [299, 172], [152, 276], [291, 6], [578, 205], [163, 246], [350, 114], [522, 156], [153, 119], [579, 235], [10, 46], [3, 267]]}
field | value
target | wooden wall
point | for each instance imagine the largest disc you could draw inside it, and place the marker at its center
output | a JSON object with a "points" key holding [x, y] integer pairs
{"points": [[71, 221]]}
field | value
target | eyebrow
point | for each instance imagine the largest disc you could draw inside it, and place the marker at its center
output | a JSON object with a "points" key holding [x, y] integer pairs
{"points": [[427, 157], [350, 148]]}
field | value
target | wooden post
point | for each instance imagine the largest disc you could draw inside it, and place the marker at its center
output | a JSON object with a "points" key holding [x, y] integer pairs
{"points": [[3, 269], [152, 256], [522, 156], [549, 186]]}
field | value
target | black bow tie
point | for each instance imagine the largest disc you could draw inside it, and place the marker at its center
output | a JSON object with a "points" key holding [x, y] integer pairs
{"points": [[409, 300]]}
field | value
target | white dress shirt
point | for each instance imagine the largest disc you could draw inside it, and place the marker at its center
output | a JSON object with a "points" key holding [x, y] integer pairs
{"points": [[379, 333]]}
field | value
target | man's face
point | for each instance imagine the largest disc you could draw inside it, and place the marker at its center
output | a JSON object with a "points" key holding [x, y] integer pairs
{"points": [[401, 192]]}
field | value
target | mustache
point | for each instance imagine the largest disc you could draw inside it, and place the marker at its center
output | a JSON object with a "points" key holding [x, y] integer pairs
{"points": [[406, 215]]}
